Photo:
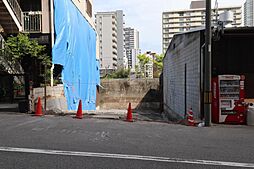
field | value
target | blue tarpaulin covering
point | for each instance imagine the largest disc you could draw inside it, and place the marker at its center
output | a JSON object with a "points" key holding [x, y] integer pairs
{"points": [[75, 50]]}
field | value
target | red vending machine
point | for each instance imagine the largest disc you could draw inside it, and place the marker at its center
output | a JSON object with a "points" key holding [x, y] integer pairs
{"points": [[228, 104]]}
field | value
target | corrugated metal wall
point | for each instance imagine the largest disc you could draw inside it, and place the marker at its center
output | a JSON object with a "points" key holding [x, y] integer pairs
{"points": [[181, 75]]}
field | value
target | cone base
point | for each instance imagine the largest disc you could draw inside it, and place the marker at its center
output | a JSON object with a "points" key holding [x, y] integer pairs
{"points": [[78, 117], [129, 120], [38, 115]]}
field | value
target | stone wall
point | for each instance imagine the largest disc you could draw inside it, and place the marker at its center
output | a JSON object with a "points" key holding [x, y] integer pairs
{"points": [[142, 93], [55, 98]]}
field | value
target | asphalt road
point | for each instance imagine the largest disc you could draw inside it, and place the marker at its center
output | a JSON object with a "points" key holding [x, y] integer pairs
{"points": [[63, 142]]}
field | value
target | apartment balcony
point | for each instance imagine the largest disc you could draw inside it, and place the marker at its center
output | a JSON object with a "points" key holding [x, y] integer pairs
{"points": [[114, 34], [114, 52], [32, 22], [114, 40], [115, 65], [11, 16], [114, 45], [114, 58]]}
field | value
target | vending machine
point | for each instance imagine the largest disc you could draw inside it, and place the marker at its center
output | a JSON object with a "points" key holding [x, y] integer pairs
{"points": [[228, 104]]}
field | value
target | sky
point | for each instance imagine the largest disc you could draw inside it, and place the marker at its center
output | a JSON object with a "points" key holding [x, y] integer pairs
{"points": [[145, 16]]}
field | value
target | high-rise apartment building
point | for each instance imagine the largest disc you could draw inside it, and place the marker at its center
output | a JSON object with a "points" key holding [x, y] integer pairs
{"points": [[121, 53], [148, 67], [249, 13], [184, 20], [109, 26], [132, 46]]}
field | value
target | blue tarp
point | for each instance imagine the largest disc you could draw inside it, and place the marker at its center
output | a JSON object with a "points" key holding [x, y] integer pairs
{"points": [[75, 50]]}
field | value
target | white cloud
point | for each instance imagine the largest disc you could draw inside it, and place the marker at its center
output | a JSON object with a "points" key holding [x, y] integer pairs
{"points": [[145, 15]]}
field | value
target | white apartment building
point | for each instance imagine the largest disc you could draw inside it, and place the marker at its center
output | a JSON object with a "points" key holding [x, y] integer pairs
{"points": [[184, 20], [109, 27], [131, 38], [121, 53], [134, 59], [249, 13], [148, 68], [86, 8]]}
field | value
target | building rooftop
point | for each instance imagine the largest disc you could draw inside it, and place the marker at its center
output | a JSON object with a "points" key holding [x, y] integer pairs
{"points": [[229, 31], [199, 9], [197, 4]]}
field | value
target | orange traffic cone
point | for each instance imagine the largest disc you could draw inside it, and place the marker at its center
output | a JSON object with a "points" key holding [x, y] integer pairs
{"points": [[39, 108], [79, 114], [129, 114], [190, 119]]}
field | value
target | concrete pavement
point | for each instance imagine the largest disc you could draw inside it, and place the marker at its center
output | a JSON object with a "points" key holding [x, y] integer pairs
{"points": [[228, 144]]}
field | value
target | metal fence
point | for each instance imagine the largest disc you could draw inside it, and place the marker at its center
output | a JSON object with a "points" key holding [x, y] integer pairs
{"points": [[32, 21]]}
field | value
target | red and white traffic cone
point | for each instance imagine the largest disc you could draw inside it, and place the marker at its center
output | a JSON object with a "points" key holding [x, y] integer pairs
{"points": [[190, 119]]}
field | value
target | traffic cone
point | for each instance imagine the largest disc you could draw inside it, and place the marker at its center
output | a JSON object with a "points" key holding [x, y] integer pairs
{"points": [[39, 108], [129, 114], [190, 119], [79, 114]]}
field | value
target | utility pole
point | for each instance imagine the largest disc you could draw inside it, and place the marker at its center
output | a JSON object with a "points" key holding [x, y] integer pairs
{"points": [[45, 88], [208, 66], [52, 39]]}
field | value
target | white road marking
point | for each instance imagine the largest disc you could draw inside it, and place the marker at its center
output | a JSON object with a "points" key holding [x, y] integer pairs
{"points": [[127, 157]]}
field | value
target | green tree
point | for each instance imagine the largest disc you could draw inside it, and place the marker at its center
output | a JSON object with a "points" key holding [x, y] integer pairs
{"points": [[158, 61], [158, 65], [119, 74], [21, 51], [143, 60]]}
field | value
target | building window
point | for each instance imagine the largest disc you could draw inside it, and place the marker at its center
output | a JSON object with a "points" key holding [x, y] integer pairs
{"points": [[89, 9], [181, 29], [181, 14]]}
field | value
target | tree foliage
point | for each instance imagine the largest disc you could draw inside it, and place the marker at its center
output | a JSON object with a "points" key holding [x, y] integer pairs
{"points": [[27, 56], [158, 61], [158, 65], [120, 74], [143, 59], [19, 47]]}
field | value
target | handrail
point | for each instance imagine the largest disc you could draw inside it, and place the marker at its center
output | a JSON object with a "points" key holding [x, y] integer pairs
{"points": [[16, 9]]}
